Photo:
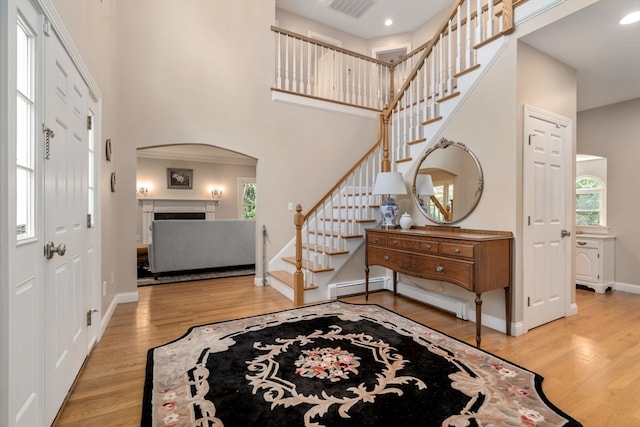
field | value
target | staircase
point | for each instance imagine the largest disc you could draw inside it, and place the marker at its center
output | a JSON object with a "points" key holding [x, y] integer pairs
{"points": [[436, 78]]}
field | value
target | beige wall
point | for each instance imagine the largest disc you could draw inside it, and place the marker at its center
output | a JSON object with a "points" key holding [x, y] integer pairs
{"points": [[188, 72], [613, 132]]}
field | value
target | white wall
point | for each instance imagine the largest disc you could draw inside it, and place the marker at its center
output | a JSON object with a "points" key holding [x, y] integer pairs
{"points": [[613, 132]]}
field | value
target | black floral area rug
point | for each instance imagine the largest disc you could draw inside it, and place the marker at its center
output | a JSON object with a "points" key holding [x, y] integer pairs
{"points": [[336, 364]]}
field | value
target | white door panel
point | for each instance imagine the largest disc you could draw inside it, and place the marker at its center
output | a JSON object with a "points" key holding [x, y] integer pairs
{"points": [[547, 255], [65, 207]]}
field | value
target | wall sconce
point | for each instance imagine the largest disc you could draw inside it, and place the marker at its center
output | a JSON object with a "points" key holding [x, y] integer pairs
{"points": [[216, 193], [142, 189]]}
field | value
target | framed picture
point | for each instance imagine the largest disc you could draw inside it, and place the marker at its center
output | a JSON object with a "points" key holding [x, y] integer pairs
{"points": [[180, 178]]}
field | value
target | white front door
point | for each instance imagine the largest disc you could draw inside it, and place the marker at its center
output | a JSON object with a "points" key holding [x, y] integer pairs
{"points": [[547, 252], [65, 223]]}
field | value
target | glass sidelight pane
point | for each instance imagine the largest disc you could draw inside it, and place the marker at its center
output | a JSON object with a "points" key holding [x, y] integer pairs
{"points": [[25, 133]]}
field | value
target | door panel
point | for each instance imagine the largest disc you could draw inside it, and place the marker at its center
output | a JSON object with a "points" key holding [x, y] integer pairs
{"points": [[65, 200], [546, 254]]}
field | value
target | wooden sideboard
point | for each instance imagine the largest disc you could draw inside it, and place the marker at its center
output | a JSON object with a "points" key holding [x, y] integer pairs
{"points": [[476, 260]]}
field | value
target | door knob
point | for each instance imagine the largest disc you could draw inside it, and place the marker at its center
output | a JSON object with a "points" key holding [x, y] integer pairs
{"points": [[565, 233], [51, 249]]}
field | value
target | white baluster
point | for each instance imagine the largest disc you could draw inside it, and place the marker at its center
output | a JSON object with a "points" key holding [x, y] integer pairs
{"points": [[490, 19], [294, 86], [458, 40], [308, 91], [286, 64], [468, 31], [279, 68], [449, 54], [478, 22]]}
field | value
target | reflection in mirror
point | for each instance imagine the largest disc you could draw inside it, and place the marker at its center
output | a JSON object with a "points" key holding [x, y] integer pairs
{"points": [[448, 182]]}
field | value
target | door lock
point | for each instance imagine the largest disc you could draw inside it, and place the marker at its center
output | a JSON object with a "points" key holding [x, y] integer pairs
{"points": [[50, 249]]}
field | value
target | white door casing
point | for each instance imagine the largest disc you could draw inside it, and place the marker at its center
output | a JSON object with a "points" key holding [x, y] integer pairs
{"points": [[548, 249], [65, 207]]}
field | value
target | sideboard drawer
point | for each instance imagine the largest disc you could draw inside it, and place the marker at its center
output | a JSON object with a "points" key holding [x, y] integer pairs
{"points": [[377, 239], [413, 244], [457, 249], [458, 272]]}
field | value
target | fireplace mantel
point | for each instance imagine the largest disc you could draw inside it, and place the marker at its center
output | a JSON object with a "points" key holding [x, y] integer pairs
{"points": [[152, 205]]}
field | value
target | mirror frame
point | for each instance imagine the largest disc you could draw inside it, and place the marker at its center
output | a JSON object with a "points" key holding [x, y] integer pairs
{"points": [[444, 144]]}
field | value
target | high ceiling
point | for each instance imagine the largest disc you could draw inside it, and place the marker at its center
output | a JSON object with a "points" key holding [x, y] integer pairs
{"points": [[605, 54]]}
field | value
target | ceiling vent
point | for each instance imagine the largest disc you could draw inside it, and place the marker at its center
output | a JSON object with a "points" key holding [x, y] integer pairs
{"points": [[354, 8]]}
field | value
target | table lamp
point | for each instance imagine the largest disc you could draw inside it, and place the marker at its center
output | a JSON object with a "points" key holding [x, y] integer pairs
{"points": [[389, 183]]}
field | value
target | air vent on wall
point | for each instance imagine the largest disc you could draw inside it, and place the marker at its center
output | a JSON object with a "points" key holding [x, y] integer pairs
{"points": [[354, 8]]}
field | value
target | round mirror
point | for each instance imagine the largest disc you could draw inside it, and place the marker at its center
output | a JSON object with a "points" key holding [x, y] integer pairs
{"points": [[448, 182]]}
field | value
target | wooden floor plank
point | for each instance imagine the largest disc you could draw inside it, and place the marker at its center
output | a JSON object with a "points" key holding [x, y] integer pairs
{"points": [[591, 361]]}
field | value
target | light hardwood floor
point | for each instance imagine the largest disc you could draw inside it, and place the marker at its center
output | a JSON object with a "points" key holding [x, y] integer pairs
{"points": [[591, 361]]}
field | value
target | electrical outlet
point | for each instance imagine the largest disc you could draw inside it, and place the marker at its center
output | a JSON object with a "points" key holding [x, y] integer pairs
{"points": [[290, 206]]}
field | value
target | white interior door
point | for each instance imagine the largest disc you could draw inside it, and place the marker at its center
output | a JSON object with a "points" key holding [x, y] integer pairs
{"points": [[65, 223], [547, 253]]}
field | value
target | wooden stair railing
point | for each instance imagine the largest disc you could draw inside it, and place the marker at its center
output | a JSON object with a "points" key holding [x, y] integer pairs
{"points": [[315, 69], [444, 58], [435, 66]]}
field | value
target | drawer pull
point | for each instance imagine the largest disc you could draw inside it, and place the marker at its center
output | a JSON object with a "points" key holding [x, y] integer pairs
{"points": [[582, 243], [395, 242], [439, 269], [386, 257], [456, 251], [428, 247]]}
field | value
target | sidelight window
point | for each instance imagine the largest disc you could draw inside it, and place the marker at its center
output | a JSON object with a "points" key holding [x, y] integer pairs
{"points": [[25, 132]]}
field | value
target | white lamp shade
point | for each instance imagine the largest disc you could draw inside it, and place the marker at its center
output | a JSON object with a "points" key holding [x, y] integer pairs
{"points": [[424, 185], [389, 183]]}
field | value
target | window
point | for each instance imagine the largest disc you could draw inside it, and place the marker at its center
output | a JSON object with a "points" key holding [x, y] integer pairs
{"points": [[590, 204], [25, 132], [248, 198]]}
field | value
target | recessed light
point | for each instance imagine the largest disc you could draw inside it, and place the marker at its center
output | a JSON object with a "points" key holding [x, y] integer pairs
{"points": [[631, 18], [388, 22]]}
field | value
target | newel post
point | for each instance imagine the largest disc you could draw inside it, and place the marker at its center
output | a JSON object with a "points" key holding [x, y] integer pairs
{"points": [[386, 163], [507, 17], [298, 277]]}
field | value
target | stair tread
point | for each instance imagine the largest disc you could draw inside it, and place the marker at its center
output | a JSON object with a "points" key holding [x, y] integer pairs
{"points": [[287, 279], [344, 236], [307, 265], [325, 249], [347, 220]]}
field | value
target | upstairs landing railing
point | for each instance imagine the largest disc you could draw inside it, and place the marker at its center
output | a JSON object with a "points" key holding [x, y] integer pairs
{"points": [[311, 68]]}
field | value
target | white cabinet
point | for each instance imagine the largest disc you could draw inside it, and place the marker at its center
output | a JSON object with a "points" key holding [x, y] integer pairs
{"points": [[595, 261]]}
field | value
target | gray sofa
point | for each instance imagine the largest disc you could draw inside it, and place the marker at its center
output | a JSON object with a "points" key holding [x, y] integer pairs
{"points": [[179, 245]]}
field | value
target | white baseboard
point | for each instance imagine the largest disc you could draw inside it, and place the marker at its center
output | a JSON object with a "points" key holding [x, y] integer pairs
{"points": [[118, 299], [626, 287], [454, 305], [337, 290]]}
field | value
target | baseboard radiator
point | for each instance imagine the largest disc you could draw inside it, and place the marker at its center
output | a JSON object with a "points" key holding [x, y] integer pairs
{"points": [[454, 305]]}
